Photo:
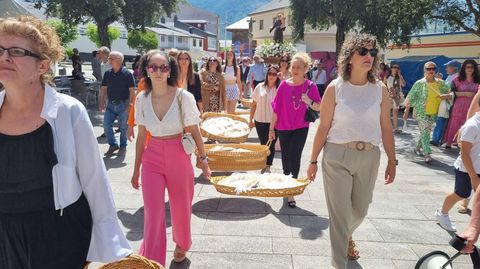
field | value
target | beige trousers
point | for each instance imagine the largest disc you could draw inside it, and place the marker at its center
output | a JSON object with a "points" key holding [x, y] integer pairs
{"points": [[349, 178]]}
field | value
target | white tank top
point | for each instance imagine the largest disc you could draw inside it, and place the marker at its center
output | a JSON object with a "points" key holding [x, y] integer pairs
{"points": [[230, 73], [357, 113]]}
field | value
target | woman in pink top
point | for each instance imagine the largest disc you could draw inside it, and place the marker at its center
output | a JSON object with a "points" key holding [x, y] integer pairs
{"points": [[288, 117]]}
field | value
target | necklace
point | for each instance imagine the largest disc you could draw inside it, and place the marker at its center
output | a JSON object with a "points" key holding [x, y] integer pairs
{"points": [[297, 102]]}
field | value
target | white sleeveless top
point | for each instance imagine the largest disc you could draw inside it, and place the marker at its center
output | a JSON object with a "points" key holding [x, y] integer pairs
{"points": [[357, 113], [170, 124], [230, 73]]}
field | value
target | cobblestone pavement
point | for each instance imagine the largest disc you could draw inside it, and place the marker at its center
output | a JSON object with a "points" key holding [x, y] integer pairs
{"points": [[240, 232]]}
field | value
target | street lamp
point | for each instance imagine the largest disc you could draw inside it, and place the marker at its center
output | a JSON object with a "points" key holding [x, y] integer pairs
{"points": [[250, 35]]}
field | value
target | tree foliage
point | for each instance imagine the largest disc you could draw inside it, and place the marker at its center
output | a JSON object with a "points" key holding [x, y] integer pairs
{"points": [[459, 14], [92, 33], [142, 41], [133, 13], [388, 20], [66, 32]]}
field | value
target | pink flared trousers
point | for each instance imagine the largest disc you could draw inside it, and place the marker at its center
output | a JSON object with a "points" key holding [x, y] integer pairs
{"points": [[166, 165]]}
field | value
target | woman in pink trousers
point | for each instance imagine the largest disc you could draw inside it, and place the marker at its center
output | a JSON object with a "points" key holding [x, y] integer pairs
{"points": [[161, 109]]}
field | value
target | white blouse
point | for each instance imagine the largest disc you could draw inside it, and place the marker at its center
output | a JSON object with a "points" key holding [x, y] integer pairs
{"points": [[357, 113], [171, 123], [263, 96]]}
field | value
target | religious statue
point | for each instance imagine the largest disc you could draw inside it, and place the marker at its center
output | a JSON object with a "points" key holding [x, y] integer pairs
{"points": [[279, 28]]}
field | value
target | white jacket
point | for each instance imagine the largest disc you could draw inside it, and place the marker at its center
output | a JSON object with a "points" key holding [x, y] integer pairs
{"points": [[80, 168]]}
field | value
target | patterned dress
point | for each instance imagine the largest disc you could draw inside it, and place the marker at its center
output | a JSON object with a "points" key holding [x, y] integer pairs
{"points": [[214, 102], [458, 114]]}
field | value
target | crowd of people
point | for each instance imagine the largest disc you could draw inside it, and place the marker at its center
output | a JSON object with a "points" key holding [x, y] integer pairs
{"points": [[65, 190]]}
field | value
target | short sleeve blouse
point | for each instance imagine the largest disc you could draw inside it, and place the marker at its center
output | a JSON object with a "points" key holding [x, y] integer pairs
{"points": [[171, 123]]}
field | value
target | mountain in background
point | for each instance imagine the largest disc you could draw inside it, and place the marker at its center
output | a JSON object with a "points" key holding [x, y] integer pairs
{"points": [[234, 9]]}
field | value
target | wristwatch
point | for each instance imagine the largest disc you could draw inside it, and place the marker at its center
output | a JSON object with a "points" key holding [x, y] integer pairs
{"points": [[204, 159], [395, 162]]}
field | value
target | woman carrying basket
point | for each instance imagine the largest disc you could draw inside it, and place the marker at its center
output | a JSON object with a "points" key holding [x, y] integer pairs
{"points": [[161, 109], [261, 111], [288, 117]]}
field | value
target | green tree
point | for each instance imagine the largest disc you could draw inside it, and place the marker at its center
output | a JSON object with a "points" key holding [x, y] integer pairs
{"points": [[458, 14], [92, 33], [388, 20], [133, 13], [66, 32], [142, 41]]}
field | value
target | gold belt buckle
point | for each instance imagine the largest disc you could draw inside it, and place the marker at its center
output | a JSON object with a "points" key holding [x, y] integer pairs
{"points": [[360, 146]]}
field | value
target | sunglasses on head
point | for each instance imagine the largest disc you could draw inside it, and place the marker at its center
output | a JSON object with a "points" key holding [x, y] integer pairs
{"points": [[431, 68], [163, 68], [364, 51]]}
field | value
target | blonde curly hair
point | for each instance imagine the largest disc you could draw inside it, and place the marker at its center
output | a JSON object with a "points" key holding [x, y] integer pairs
{"points": [[303, 57], [44, 39], [353, 42]]}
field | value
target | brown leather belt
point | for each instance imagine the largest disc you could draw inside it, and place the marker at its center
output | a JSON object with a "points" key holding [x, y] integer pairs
{"points": [[359, 145]]}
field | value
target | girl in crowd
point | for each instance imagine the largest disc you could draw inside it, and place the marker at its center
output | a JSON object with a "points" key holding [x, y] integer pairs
{"points": [[56, 206], [467, 170], [165, 111], [284, 64], [394, 83], [425, 97], [261, 111], [354, 120], [288, 117], [464, 87], [188, 79], [213, 93], [233, 82]]}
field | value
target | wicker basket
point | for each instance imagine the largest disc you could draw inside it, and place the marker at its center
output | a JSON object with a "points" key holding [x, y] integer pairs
{"points": [[247, 102], [244, 114], [206, 134], [133, 261], [236, 161], [261, 192]]}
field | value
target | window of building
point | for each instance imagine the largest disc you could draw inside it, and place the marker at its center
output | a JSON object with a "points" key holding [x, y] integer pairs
{"points": [[260, 25], [179, 40], [200, 43], [170, 38], [162, 38], [194, 42]]}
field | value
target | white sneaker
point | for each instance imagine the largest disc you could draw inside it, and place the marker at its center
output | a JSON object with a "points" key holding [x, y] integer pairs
{"points": [[444, 221]]}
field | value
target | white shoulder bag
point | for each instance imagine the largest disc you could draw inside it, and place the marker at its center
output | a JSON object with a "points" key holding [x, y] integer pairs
{"points": [[187, 139]]}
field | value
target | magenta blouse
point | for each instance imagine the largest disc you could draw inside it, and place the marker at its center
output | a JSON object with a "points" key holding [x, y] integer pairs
{"points": [[290, 108]]}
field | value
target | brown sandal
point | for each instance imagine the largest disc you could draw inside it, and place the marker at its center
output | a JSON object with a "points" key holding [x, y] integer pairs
{"points": [[179, 255], [352, 253]]}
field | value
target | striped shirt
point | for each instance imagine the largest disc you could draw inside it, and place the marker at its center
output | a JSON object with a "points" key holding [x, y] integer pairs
{"points": [[263, 96]]}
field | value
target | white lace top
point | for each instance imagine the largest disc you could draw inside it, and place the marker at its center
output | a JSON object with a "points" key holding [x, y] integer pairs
{"points": [[171, 123], [357, 113]]}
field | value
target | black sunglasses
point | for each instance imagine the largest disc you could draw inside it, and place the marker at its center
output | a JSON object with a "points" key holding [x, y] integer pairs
{"points": [[363, 51], [431, 68], [18, 52], [212, 60], [153, 68]]}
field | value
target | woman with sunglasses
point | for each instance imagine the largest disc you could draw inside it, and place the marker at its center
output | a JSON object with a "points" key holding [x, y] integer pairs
{"points": [[464, 87], [188, 79], [354, 120], [425, 97], [288, 116], [233, 82], [56, 205], [394, 83], [261, 111], [214, 96], [165, 111], [284, 65]]}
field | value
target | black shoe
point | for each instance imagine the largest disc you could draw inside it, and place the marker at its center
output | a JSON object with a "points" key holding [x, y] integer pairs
{"points": [[111, 150], [433, 143]]}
